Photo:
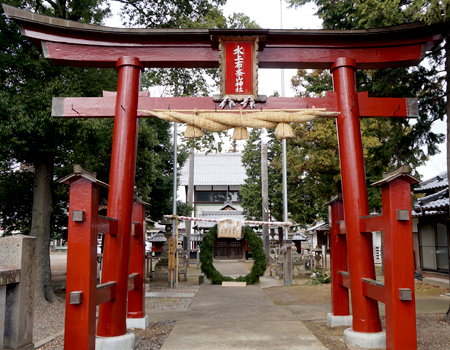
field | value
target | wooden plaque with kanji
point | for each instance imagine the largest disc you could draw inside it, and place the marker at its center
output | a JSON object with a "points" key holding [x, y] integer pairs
{"points": [[239, 67], [229, 228]]}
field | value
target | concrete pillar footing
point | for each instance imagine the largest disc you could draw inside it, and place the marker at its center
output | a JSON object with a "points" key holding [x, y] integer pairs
{"points": [[140, 323], [337, 321], [122, 342], [365, 340], [27, 347]]}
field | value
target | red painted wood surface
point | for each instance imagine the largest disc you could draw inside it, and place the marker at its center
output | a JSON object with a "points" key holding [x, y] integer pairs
{"points": [[72, 43], [340, 305], [323, 58], [344, 279], [104, 107], [360, 255], [205, 57], [136, 296], [116, 254], [156, 57], [371, 223], [81, 266], [399, 266], [106, 292], [239, 67], [373, 290], [107, 225]]}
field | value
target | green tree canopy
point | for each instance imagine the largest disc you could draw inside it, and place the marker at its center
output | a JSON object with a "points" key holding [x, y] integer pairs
{"points": [[31, 139]]}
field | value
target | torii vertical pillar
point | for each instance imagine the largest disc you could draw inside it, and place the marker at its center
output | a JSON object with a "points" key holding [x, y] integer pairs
{"points": [[112, 315], [366, 317]]}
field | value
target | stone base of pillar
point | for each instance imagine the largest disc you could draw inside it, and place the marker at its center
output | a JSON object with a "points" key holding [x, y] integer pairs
{"points": [[122, 342], [365, 340], [337, 321], [140, 323]]}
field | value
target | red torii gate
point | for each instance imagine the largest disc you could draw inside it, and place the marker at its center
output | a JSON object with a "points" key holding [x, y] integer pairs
{"points": [[130, 50]]}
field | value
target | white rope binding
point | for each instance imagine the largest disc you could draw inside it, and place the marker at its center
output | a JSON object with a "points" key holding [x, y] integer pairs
{"points": [[268, 223]]}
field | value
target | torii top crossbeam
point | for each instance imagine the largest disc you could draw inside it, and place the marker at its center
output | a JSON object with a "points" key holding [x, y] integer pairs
{"points": [[77, 44]]}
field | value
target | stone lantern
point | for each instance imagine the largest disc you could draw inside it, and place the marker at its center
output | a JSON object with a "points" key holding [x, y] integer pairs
{"points": [[318, 256]]}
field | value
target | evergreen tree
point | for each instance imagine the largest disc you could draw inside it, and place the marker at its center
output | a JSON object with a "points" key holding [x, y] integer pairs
{"points": [[30, 138], [251, 190]]}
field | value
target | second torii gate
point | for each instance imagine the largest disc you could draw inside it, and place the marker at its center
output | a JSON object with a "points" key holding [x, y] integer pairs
{"points": [[130, 50]]}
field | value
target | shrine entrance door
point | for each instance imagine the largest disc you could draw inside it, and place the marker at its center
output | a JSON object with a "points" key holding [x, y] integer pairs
{"points": [[228, 248]]}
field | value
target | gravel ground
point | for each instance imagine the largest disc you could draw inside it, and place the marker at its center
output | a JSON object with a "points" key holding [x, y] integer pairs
{"points": [[432, 333], [49, 319]]}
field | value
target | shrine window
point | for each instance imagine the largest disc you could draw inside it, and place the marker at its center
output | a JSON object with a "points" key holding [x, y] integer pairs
{"points": [[218, 196], [203, 197], [234, 196]]}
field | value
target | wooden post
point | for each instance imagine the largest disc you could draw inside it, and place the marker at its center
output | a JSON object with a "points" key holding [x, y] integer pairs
{"points": [[171, 264], [276, 262], [340, 305], [198, 257], [186, 259], [399, 265], [81, 281], [151, 267], [136, 296], [270, 265]]}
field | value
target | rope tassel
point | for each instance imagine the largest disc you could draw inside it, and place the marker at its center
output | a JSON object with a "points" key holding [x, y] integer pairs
{"points": [[193, 132], [240, 133], [284, 131]]}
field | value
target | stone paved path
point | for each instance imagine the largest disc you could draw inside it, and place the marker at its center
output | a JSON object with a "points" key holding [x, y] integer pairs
{"points": [[236, 318]]}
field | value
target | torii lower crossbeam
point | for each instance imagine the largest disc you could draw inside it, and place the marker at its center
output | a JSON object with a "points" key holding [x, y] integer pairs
{"points": [[104, 107]]}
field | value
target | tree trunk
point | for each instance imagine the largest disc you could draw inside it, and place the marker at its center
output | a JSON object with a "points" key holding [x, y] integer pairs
{"points": [[447, 111], [40, 227]]}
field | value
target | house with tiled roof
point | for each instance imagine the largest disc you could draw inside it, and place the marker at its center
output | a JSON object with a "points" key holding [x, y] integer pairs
{"points": [[431, 228], [218, 179]]}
